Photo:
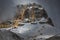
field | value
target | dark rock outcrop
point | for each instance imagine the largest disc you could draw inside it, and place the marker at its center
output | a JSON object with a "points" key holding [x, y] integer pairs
{"points": [[8, 35], [54, 38]]}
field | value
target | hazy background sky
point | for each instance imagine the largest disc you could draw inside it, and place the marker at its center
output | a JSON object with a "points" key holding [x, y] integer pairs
{"points": [[8, 8]]}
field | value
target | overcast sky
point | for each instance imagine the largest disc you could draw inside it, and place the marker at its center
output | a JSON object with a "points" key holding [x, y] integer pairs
{"points": [[8, 8]]}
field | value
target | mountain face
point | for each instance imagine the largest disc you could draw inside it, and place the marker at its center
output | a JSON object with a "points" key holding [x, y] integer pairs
{"points": [[8, 35]]}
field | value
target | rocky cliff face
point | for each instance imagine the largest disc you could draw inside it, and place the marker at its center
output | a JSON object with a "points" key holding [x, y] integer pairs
{"points": [[7, 35]]}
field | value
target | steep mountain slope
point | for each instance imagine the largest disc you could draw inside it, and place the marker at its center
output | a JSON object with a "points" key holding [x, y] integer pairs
{"points": [[7, 35]]}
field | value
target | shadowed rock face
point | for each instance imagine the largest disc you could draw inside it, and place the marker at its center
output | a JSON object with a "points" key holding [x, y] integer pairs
{"points": [[54, 38], [7, 35]]}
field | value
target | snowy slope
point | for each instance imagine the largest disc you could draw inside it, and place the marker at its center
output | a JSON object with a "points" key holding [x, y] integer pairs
{"points": [[34, 30]]}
